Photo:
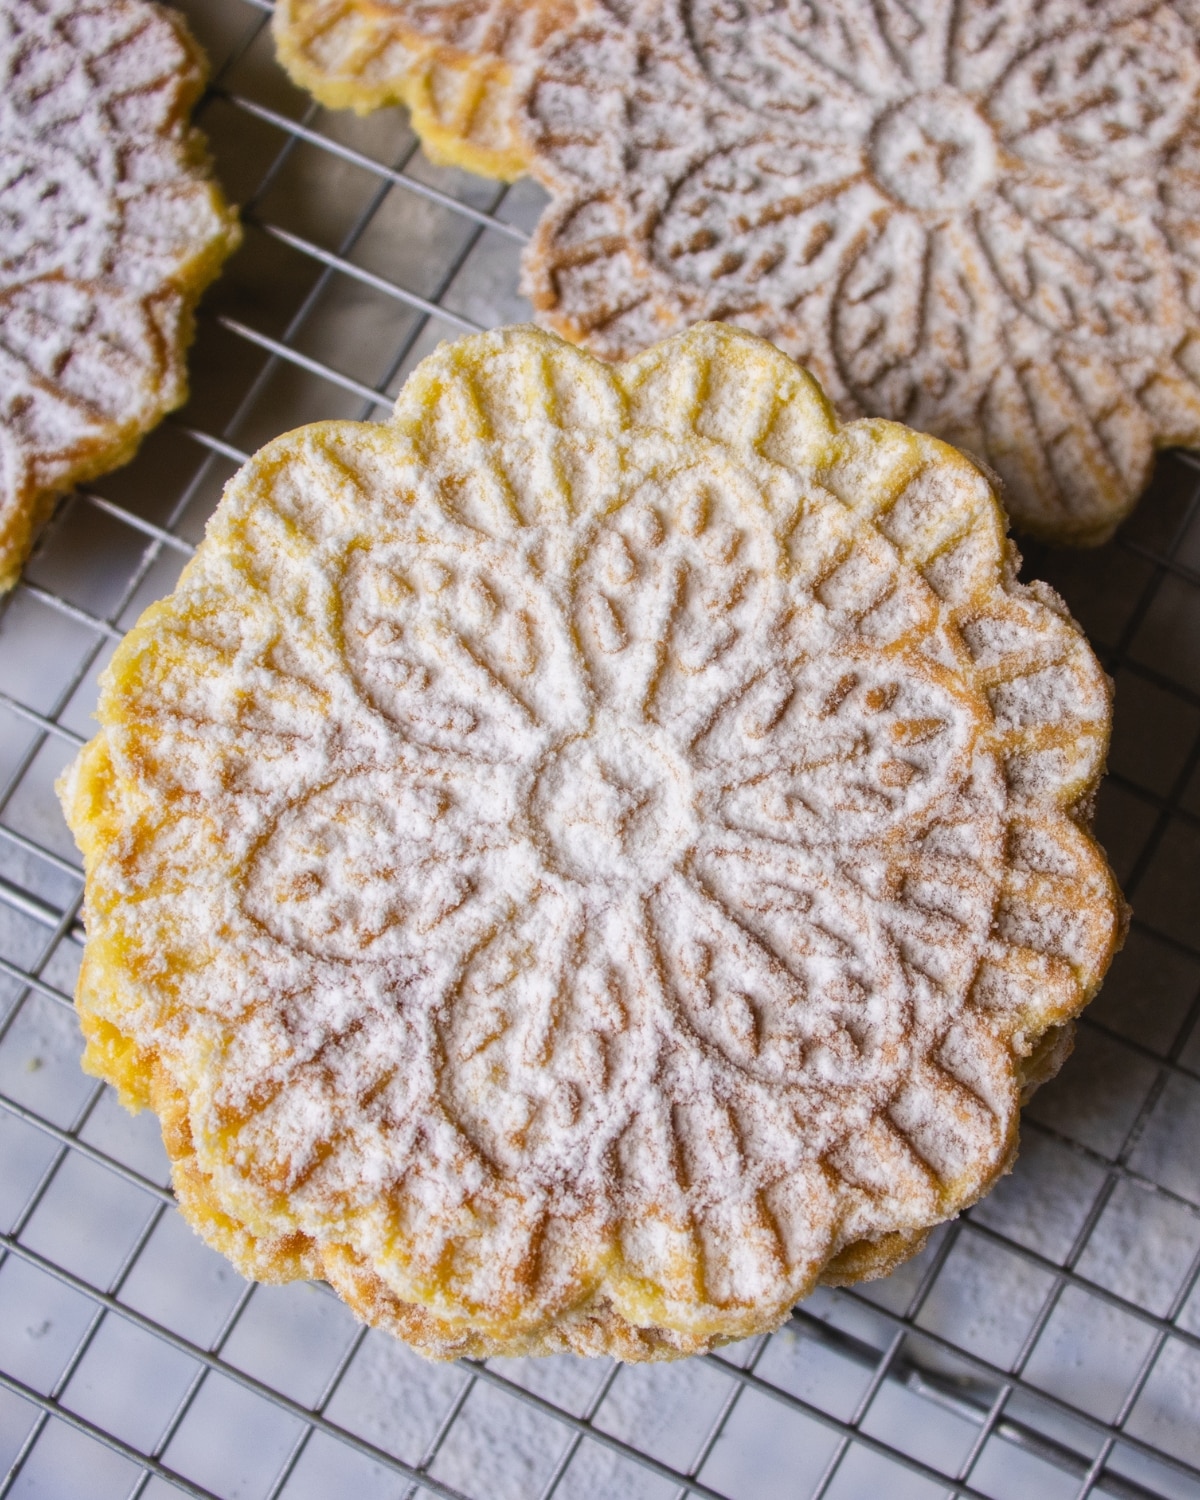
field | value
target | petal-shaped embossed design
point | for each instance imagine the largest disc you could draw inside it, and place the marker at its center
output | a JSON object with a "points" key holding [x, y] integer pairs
{"points": [[553, 1069], [929, 347], [369, 867], [765, 220], [814, 67], [1083, 263], [462, 655], [838, 752], [1112, 94], [584, 859]]}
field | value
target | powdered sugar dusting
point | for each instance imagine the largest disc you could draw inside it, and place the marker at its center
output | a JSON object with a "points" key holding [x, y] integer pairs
{"points": [[570, 842], [974, 218], [108, 229]]}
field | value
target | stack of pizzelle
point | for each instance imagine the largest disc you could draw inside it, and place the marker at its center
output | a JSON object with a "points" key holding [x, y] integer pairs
{"points": [[586, 860], [981, 221]]}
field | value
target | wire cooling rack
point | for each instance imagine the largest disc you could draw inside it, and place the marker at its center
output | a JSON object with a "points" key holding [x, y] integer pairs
{"points": [[1047, 1344]]}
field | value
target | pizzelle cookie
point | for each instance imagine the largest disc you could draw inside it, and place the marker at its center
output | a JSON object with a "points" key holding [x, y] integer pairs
{"points": [[110, 228], [454, 63], [975, 217], [585, 860]]}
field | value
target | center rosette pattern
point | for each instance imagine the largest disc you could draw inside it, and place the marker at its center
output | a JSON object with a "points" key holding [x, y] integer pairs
{"points": [[645, 775]]}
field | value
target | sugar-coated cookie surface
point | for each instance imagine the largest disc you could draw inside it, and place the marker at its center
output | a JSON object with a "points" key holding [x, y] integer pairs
{"points": [[110, 228], [585, 860], [452, 62], [974, 216]]}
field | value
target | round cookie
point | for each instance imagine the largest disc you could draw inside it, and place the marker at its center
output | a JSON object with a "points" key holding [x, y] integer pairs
{"points": [[453, 64], [110, 230], [976, 218], [587, 859]]}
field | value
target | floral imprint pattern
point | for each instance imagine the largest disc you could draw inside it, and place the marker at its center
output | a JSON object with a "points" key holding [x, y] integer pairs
{"points": [[973, 217], [452, 62], [582, 861]]}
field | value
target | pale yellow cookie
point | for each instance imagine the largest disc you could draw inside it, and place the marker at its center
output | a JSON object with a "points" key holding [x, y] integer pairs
{"points": [[978, 217], [110, 228], [585, 860], [454, 64]]}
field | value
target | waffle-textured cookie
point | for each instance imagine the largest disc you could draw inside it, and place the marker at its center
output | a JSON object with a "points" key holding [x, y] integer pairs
{"points": [[584, 860], [454, 63], [110, 228], [973, 216]]}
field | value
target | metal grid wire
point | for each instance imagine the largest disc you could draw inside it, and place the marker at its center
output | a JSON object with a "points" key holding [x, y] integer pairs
{"points": [[1047, 1344]]}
